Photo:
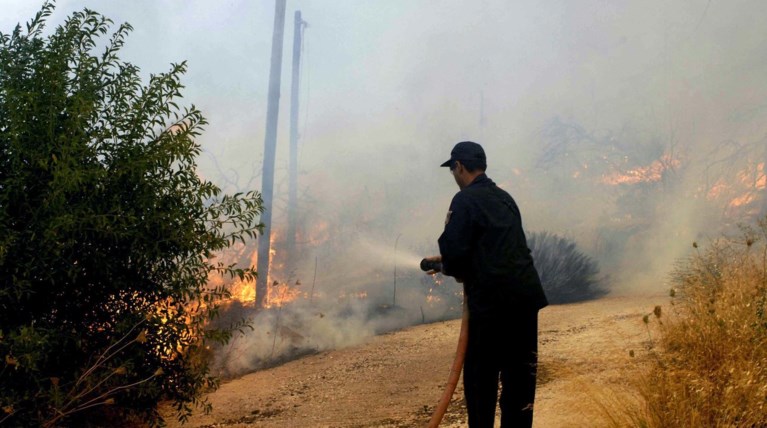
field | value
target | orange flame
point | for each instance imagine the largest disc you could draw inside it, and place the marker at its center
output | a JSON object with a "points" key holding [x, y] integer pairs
{"points": [[643, 174], [279, 291], [281, 294], [743, 190], [432, 298], [359, 295]]}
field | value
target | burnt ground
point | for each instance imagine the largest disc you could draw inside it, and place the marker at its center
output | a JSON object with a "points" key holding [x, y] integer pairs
{"points": [[395, 380]]}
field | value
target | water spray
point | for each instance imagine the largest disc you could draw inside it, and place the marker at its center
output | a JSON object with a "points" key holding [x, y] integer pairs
{"points": [[394, 298]]}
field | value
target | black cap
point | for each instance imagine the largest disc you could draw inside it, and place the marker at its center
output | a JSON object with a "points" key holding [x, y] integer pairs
{"points": [[467, 151]]}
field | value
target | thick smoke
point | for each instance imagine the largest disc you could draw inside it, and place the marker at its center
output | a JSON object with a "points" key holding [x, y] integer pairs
{"points": [[303, 327], [565, 96], [352, 298]]}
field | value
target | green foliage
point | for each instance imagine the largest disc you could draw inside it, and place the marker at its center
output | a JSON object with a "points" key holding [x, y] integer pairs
{"points": [[107, 234]]}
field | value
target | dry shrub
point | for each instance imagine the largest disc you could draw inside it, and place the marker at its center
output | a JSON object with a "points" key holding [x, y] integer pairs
{"points": [[567, 274], [711, 369]]}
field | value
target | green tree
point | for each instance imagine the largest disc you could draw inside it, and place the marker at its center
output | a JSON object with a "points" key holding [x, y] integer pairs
{"points": [[107, 234]]}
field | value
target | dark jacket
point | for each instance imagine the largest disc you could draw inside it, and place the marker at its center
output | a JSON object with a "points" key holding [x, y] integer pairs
{"points": [[485, 246]]}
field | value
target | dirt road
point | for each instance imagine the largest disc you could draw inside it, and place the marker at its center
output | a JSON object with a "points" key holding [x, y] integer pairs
{"points": [[395, 380]]}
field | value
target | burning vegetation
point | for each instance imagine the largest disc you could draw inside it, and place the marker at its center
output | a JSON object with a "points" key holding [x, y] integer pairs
{"points": [[632, 181], [735, 179], [310, 315], [632, 198], [119, 264]]}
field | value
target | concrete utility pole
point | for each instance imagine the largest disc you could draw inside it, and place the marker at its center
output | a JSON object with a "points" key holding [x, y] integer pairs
{"points": [[298, 27], [270, 145]]}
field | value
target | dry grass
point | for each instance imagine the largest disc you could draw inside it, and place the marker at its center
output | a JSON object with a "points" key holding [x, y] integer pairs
{"points": [[710, 367]]}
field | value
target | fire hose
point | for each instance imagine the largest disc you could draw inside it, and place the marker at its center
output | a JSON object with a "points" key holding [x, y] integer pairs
{"points": [[460, 355], [455, 371]]}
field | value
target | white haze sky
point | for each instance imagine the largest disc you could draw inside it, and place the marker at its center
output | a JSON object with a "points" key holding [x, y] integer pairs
{"points": [[389, 86]]}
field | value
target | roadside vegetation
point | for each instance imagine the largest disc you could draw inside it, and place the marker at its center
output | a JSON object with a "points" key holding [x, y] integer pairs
{"points": [[709, 363], [567, 274], [107, 233]]}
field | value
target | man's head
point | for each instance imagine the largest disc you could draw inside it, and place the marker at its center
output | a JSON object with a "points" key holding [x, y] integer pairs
{"points": [[467, 161]]}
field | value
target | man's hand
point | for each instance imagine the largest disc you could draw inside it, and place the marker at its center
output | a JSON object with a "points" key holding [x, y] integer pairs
{"points": [[436, 259]]}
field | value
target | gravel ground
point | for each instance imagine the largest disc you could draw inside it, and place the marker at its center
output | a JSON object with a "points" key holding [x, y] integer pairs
{"points": [[395, 380]]}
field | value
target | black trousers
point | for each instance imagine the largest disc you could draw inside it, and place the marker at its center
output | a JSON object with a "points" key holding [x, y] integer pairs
{"points": [[504, 349]]}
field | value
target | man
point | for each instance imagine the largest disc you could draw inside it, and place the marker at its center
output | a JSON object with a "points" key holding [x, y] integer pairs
{"points": [[483, 246]]}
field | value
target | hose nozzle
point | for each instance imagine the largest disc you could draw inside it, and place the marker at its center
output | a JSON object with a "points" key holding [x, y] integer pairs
{"points": [[427, 265]]}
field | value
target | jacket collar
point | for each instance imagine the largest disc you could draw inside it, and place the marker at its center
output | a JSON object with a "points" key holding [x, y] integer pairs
{"points": [[481, 180]]}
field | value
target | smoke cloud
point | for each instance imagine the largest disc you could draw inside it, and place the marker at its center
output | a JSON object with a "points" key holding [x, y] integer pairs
{"points": [[631, 127]]}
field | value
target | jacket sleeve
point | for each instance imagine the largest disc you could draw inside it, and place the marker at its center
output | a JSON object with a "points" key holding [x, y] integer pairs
{"points": [[456, 240]]}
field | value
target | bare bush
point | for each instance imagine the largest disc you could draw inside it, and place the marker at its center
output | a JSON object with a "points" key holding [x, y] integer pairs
{"points": [[567, 274]]}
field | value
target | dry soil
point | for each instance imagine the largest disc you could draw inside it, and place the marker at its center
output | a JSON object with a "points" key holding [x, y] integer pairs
{"points": [[587, 355]]}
